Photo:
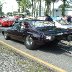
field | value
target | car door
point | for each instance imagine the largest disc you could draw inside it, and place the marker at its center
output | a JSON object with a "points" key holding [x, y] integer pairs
{"points": [[21, 33], [14, 31]]}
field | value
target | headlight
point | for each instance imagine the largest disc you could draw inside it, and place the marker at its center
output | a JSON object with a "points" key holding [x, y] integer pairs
{"points": [[48, 37]]}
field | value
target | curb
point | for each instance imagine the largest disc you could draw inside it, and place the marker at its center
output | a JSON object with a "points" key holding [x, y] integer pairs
{"points": [[55, 68]]}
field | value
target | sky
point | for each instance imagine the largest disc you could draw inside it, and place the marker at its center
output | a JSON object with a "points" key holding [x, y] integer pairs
{"points": [[56, 4], [11, 5]]}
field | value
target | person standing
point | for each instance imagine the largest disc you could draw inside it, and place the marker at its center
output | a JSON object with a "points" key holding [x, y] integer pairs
{"points": [[48, 18], [69, 19], [64, 17]]}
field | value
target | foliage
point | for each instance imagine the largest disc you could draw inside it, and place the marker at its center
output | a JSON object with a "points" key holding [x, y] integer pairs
{"points": [[27, 12], [25, 4], [35, 9], [9, 14], [1, 13], [53, 0], [15, 13], [63, 7], [48, 2], [66, 6]]}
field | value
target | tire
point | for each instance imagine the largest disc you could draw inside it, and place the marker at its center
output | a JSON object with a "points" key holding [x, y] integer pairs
{"points": [[6, 36], [30, 43]]}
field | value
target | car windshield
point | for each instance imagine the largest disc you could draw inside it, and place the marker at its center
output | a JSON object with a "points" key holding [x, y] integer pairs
{"points": [[64, 22], [41, 23]]}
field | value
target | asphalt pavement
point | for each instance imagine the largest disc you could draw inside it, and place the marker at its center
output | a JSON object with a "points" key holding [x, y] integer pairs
{"points": [[53, 55]]}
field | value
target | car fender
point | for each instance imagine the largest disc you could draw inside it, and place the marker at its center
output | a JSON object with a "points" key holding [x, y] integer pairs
{"points": [[34, 35]]}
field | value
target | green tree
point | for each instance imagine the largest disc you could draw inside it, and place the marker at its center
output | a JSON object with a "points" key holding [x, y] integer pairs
{"points": [[18, 1], [35, 8], [9, 14], [32, 6], [1, 13], [53, 1], [15, 13], [39, 7], [39, 2], [63, 7], [25, 4], [47, 2]]}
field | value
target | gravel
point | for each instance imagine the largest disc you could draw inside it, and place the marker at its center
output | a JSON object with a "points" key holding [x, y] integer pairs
{"points": [[13, 62]]}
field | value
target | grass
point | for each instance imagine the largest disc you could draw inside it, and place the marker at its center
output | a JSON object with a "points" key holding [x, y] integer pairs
{"points": [[23, 63]]}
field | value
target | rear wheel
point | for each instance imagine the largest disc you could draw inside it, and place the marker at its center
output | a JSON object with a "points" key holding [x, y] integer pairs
{"points": [[30, 43], [6, 36]]}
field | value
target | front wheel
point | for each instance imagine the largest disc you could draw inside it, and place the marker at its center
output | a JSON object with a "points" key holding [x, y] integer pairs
{"points": [[30, 43], [6, 36]]}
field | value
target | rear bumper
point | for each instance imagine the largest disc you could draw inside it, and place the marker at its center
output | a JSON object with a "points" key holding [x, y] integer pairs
{"points": [[53, 38], [62, 37]]}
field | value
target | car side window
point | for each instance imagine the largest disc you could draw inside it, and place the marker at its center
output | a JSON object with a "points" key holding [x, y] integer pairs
{"points": [[17, 26], [24, 25]]}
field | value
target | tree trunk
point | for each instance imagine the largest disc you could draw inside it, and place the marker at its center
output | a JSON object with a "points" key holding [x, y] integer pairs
{"points": [[63, 8], [48, 9], [40, 9], [32, 7], [53, 9]]}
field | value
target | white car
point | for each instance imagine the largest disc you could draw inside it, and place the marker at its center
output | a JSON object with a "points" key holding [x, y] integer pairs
{"points": [[63, 24]]}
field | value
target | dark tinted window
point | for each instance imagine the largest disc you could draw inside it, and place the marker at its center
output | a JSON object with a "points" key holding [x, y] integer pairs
{"points": [[16, 26]]}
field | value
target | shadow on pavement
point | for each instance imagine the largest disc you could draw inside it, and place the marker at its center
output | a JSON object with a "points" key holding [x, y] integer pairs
{"points": [[59, 49]]}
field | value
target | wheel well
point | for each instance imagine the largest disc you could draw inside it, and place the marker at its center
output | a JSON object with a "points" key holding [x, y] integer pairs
{"points": [[3, 32]]}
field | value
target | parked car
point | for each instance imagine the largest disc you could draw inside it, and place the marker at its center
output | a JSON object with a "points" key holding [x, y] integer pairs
{"points": [[35, 33], [2, 17], [6, 21], [63, 24]]}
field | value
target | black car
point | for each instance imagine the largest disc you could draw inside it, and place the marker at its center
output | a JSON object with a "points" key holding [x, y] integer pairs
{"points": [[35, 33]]}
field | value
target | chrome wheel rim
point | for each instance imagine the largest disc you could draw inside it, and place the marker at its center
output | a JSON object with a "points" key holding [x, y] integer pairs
{"points": [[29, 41], [5, 35]]}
